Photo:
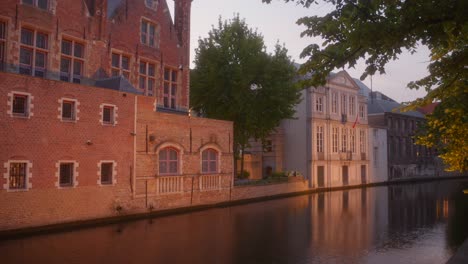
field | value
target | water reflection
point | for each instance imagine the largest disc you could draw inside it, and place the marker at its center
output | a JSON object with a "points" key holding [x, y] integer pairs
{"points": [[422, 223]]}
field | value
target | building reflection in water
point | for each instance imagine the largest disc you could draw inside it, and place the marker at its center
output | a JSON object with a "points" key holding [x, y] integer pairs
{"points": [[418, 223]]}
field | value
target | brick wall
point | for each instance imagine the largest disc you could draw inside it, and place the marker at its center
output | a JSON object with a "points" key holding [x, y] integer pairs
{"points": [[43, 139]]}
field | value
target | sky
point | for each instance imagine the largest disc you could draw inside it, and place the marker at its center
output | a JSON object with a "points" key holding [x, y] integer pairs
{"points": [[277, 22]]}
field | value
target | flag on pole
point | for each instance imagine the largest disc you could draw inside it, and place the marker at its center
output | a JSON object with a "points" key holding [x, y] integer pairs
{"points": [[355, 121]]}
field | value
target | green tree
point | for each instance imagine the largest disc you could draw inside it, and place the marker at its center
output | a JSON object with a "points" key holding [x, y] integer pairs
{"points": [[236, 79], [377, 31]]}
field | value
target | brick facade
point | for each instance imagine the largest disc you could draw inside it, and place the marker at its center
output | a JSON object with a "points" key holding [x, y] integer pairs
{"points": [[138, 127]]}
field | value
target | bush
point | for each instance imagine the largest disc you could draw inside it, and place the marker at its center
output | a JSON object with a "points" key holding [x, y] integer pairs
{"points": [[244, 175], [278, 174]]}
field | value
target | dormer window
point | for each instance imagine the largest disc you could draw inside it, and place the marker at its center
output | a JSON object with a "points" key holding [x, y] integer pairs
{"points": [[148, 33], [42, 4]]}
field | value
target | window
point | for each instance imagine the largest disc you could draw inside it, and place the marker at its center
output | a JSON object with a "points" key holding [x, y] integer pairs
{"points": [[319, 104], [319, 138], [268, 147], [335, 140], [344, 109], [344, 139], [18, 176], [66, 174], [168, 161], [68, 110], [362, 141], [3, 29], [107, 171], [170, 88], [20, 105], [33, 52], [210, 161], [42, 4], [120, 65], [334, 103], [352, 105], [147, 33], [147, 77], [108, 114], [72, 61], [352, 139], [362, 112]]}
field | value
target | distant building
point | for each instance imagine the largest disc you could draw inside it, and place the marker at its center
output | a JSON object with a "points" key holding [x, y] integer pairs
{"points": [[328, 139]]}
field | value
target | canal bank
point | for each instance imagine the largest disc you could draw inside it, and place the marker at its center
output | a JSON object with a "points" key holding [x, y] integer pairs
{"points": [[239, 195]]}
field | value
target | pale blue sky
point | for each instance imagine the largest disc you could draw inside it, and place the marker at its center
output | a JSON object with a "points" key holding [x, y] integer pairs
{"points": [[277, 21]]}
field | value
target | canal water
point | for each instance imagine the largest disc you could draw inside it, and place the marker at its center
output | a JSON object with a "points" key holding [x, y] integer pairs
{"points": [[417, 223]]}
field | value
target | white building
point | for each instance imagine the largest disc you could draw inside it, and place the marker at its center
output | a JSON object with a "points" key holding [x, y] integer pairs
{"points": [[328, 140]]}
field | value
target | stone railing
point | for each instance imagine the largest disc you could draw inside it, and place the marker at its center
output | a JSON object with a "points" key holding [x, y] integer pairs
{"points": [[169, 184], [210, 182]]}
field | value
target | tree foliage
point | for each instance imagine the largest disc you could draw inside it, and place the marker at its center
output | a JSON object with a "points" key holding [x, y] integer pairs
{"points": [[236, 79], [378, 31]]}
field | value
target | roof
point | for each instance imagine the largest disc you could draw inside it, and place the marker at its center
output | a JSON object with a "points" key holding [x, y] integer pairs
{"points": [[428, 109], [118, 83], [378, 106]]}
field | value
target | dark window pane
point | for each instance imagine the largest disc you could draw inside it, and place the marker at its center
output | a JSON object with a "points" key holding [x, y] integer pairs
{"points": [[151, 69], [39, 73], [79, 50], [144, 27], [29, 2], [163, 155], [20, 104], [174, 76], [25, 56], [142, 82], [41, 40], [40, 59], [125, 62], [205, 155], [205, 166], [115, 60], [162, 167], [212, 166], [66, 47], [167, 74], [77, 67], [25, 70], [42, 4], [143, 67], [64, 77], [106, 173], [212, 155], [166, 102], [65, 65], [150, 85], [2, 30], [173, 103], [107, 115], [173, 89], [66, 174], [166, 88], [68, 110], [27, 36], [172, 154], [173, 167]]}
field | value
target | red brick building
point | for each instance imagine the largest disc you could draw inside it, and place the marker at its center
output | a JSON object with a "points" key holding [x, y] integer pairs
{"points": [[94, 98]]}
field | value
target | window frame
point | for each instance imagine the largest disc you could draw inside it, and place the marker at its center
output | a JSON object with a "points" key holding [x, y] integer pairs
{"points": [[70, 75], [113, 112], [145, 35], [319, 103], [362, 141], [146, 77], [34, 50], [170, 95], [119, 68], [73, 176], [344, 109], [335, 139], [320, 140], [75, 110], [209, 161], [27, 175], [28, 104], [168, 161], [344, 139], [352, 140], [35, 3], [334, 108], [113, 170]]}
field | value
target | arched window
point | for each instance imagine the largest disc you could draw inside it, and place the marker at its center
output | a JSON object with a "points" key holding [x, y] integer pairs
{"points": [[168, 161], [210, 161]]}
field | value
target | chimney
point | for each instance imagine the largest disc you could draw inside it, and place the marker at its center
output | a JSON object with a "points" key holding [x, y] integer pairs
{"points": [[182, 27]]}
